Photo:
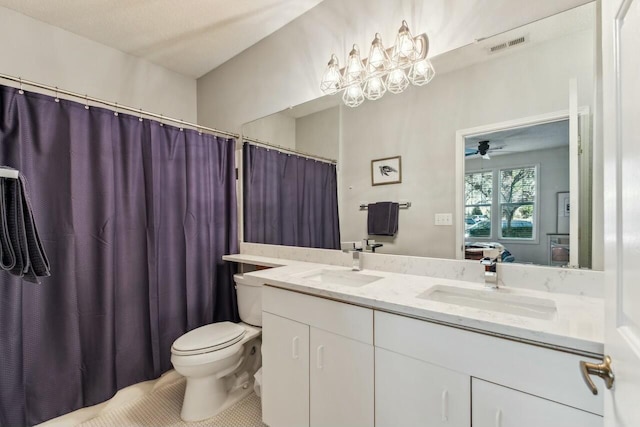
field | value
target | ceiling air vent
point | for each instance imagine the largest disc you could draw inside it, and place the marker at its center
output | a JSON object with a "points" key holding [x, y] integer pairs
{"points": [[514, 42], [507, 44], [498, 47]]}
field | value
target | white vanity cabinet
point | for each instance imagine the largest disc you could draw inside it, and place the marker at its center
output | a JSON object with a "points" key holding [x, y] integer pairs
{"points": [[341, 381], [508, 383], [410, 392], [497, 406], [318, 365], [285, 380]]}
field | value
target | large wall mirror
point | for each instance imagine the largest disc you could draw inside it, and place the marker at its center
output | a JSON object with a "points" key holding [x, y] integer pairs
{"points": [[496, 151]]}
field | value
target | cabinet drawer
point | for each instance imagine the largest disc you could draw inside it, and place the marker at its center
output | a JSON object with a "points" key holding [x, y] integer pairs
{"points": [[543, 372], [343, 319], [496, 406]]}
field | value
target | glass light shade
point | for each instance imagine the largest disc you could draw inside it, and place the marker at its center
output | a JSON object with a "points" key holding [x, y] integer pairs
{"points": [[421, 72], [332, 79], [353, 96], [404, 51], [354, 72], [374, 88], [397, 81], [378, 61]]}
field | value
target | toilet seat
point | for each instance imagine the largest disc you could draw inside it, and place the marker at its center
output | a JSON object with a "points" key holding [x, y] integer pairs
{"points": [[208, 338]]}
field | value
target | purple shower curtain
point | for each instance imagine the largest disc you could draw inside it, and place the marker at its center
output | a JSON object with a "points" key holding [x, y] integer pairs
{"points": [[135, 217], [289, 200]]}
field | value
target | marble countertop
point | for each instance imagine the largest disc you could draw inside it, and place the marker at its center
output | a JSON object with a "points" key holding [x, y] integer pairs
{"points": [[578, 324]]}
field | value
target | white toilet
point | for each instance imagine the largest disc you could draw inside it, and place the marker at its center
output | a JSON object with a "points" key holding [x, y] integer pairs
{"points": [[220, 359]]}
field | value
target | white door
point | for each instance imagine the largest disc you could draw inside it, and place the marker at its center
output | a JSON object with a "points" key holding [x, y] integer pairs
{"points": [[621, 127], [341, 381], [285, 372], [410, 392], [496, 406]]}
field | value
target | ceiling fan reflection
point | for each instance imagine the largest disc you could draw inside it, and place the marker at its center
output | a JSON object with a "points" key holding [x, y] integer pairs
{"points": [[483, 150]]}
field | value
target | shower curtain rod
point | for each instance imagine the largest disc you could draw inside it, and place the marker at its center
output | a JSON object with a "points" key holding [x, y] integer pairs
{"points": [[116, 106], [289, 150]]}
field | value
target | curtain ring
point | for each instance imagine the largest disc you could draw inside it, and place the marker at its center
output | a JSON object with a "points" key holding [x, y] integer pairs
{"points": [[181, 125], [115, 113], [56, 98], [199, 130], [140, 118], [21, 92], [161, 117], [86, 101]]}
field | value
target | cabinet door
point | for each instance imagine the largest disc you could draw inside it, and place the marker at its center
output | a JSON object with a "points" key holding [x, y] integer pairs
{"points": [[410, 392], [285, 372], [341, 377], [497, 406]]}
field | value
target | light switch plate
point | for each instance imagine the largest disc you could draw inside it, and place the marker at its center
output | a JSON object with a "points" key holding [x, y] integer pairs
{"points": [[444, 219]]}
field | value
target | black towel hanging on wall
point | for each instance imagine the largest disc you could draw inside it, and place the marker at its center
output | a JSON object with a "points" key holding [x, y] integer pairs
{"points": [[382, 218], [21, 250]]}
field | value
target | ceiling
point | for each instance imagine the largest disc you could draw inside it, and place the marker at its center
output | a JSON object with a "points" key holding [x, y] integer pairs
{"points": [[581, 18], [190, 37], [516, 140]]}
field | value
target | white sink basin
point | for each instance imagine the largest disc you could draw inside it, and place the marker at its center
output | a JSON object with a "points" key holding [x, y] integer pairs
{"points": [[490, 300], [341, 277]]}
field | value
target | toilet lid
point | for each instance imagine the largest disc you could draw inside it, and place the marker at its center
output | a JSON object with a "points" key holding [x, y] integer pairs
{"points": [[208, 338]]}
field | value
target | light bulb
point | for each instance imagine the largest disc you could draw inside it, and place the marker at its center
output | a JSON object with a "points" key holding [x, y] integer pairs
{"points": [[353, 96], [422, 72], [374, 88], [395, 76], [354, 72], [404, 51], [397, 81], [331, 80], [378, 61]]}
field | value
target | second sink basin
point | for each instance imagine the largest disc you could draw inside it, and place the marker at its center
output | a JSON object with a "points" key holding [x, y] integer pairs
{"points": [[341, 277], [484, 299]]}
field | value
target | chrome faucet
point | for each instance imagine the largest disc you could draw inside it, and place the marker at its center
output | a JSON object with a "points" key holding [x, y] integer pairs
{"points": [[355, 251], [357, 260], [490, 266]]}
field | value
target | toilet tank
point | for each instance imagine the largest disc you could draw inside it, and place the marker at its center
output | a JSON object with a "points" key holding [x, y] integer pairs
{"points": [[249, 300]]}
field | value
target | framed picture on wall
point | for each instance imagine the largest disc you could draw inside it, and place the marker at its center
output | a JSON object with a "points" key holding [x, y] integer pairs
{"points": [[386, 171]]}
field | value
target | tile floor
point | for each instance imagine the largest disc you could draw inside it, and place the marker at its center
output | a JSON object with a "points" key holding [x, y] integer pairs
{"points": [[155, 404]]}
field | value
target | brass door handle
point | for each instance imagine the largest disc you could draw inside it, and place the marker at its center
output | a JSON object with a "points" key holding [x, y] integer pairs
{"points": [[602, 370]]}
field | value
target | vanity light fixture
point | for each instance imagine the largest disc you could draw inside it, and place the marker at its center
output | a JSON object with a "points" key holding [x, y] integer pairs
{"points": [[384, 70]]}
